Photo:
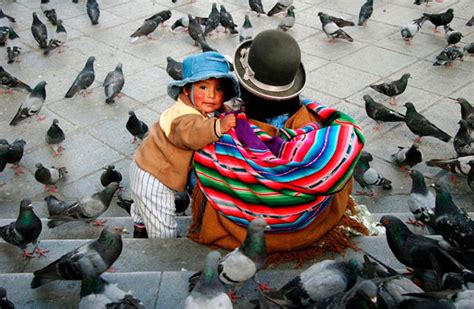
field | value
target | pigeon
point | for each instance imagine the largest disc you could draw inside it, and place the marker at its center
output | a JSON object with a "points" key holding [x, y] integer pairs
{"points": [[470, 176], [184, 22], [391, 291], [409, 31], [9, 81], [161, 16], [421, 201], [469, 48], [54, 137], [110, 175], [417, 251], [421, 126], [279, 7], [340, 22], [448, 55], [380, 113], [49, 176], [49, 11], [15, 153], [25, 230], [13, 54], [136, 127], [319, 285], [442, 19], [362, 295], [467, 111], [463, 140], [87, 209], [174, 68], [4, 35], [113, 84], [445, 299], [5, 303], [459, 166], [32, 104], [5, 19], [55, 205], [246, 30], [365, 12], [470, 21], [209, 291], [84, 79], [195, 31], [331, 29], [205, 47], [393, 88], [181, 202], [99, 293], [100, 254], [367, 177], [408, 156], [452, 222], [4, 147], [145, 30], [93, 11], [289, 20], [419, 2], [452, 37], [213, 20], [39, 31], [227, 21], [256, 6], [58, 40]]}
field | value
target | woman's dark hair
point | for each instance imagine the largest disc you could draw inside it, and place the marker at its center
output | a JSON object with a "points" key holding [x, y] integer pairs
{"points": [[260, 109]]}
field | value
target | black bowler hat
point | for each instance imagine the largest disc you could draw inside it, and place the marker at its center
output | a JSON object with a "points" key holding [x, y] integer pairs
{"points": [[269, 66]]}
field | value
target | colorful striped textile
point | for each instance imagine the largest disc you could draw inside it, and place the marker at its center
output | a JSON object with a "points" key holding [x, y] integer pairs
{"points": [[288, 179]]}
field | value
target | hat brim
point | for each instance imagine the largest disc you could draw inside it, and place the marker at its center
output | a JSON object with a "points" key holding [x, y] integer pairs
{"points": [[298, 85]]}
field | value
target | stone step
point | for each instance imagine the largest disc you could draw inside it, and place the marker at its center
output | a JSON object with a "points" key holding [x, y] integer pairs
{"points": [[82, 230], [141, 255]]}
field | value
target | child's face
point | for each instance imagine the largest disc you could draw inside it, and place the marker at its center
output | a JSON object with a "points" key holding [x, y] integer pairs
{"points": [[208, 95]]}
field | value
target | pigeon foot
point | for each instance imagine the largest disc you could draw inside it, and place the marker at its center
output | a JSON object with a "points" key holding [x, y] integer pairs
{"points": [[18, 169], [40, 252], [112, 269], [40, 118], [233, 296], [100, 222], [27, 255], [415, 222], [393, 101], [454, 179], [264, 287], [50, 189]]}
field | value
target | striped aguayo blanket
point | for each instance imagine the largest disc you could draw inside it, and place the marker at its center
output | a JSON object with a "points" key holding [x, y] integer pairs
{"points": [[288, 179]]}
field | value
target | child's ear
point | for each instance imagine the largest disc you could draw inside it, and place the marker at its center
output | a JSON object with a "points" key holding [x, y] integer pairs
{"points": [[186, 89]]}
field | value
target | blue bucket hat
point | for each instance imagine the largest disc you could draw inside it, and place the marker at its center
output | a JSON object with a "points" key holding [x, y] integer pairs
{"points": [[204, 66]]}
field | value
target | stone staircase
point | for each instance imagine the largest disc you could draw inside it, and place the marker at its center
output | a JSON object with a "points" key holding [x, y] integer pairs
{"points": [[156, 270]]}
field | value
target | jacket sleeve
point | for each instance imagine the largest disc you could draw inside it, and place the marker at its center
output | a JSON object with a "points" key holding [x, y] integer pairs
{"points": [[192, 132]]}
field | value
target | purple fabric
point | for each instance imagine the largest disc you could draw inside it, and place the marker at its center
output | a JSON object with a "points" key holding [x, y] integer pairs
{"points": [[247, 136], [274, 144]]}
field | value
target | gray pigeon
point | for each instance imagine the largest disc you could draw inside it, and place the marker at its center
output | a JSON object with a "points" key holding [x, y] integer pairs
{"points": [[113, 84], [161, 16], [100, 254], [319, 285], [441, 19], [55, 205], [39, 31], [209, 291], [93, 11], [184, 22], [58, 40], [110, 175], [4, 35], [227, 21], [256, 6], [99, 293], [367, 177], [14, 154], [467, 111], [49, 176], [421, 201], [25, 230], [408, 156], [380, 113], [87, 209], [5, 303], [14, 48], [470, 176], [136, 127], [452, 37], [365, 12], [458, 166], [84, 79], [340, 22], [32, 104], [213, 20], [174, 68], [331, 29], [469, 48], [4, 146], [470, 22], [5, 19], [409, 31], [279, 7], [54, 137], [49, 11], [246, 30], [393, 88], [463, 140], [195, 31], [10, 82], [145, 30], [421, 126], [289, 20]]}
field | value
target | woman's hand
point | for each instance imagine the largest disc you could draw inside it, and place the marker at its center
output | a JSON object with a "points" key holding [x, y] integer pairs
{"points": [[228, 122]]}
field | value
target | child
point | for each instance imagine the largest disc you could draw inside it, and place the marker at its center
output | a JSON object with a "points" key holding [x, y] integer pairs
{"points": [[162, 162]]}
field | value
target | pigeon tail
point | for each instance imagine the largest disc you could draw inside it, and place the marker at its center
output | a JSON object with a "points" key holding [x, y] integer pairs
{"points": [[54, 223], [38, 281]]}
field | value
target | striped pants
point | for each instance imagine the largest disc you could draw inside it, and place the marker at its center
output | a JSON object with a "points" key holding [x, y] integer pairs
{"points": [[153, 204]]}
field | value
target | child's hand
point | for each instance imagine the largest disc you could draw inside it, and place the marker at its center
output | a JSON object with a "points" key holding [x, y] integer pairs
{"points": [[228, 122]]}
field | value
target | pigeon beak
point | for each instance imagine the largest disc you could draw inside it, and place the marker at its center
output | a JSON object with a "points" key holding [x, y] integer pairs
{"points": [[378, 224], [373, 299]]}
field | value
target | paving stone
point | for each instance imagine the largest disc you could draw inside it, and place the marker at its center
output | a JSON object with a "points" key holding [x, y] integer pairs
{"points": [[147, 85], [421, 46], [137, 9], [372, 34], [107, 20], [324, 98], [348, 6], [319, 45]]}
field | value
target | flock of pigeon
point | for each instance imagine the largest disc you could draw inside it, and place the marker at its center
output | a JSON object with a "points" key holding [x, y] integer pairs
{"points": [[442, 271]]}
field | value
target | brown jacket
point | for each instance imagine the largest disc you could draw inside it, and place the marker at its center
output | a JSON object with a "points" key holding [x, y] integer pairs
{"points": [[167, 151]]}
